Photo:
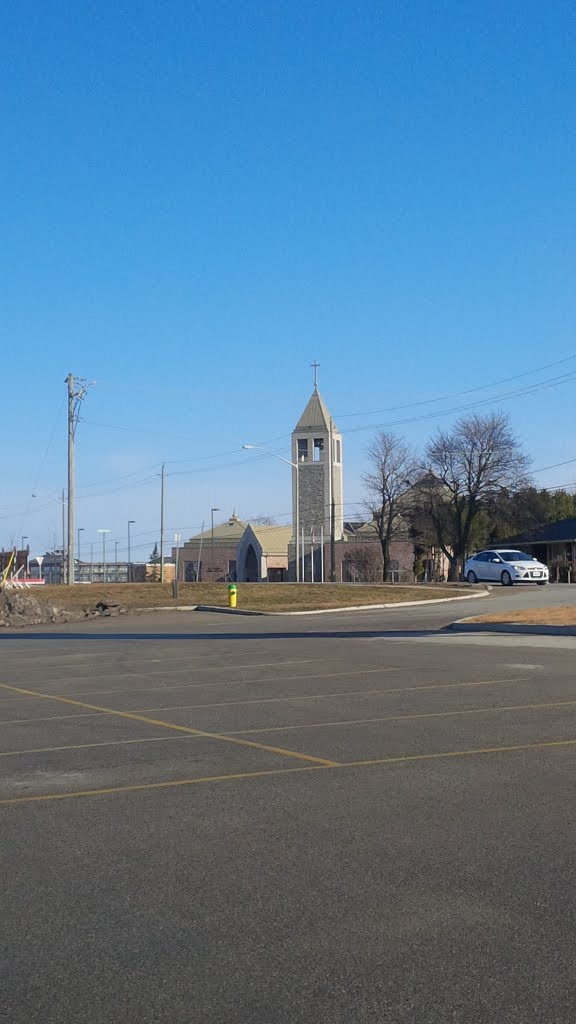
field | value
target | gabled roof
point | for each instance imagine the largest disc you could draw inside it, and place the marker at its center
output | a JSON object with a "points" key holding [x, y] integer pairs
{"points": [[368, 529], [273, 540], [315, 415], [553, 533], [229, 532]]}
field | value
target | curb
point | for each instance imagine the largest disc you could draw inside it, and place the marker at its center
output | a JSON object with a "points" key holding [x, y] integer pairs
{"points": [[232, 611], [169, 608], [349, 608], [525, 629]]}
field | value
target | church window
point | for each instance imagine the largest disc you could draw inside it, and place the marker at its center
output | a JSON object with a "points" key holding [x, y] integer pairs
{"points": [[302, 449], [336, 451], [318, 447]]}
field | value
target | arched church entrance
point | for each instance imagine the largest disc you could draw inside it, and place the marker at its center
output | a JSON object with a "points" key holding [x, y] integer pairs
{"points": [[252, 571]]}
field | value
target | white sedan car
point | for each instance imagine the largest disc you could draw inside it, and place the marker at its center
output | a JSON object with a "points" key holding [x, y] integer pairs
{"points": [[505, 567]]}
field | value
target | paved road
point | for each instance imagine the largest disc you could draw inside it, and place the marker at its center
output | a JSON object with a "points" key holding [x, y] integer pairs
{"points": [[317, 820]]}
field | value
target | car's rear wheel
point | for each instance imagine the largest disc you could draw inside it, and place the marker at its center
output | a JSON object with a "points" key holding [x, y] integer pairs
{"points": [[472, 577], [542, 583], [506, 579]]}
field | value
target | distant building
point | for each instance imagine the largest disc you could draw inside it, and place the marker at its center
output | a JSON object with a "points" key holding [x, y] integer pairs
{"points": [[250, 552], [553, 544], [262, 554], [211, 557], [317, 449], [17, 560], [49, 568]]}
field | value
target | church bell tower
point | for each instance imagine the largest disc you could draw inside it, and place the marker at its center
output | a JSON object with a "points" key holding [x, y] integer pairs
{"points": [[317, 494]]}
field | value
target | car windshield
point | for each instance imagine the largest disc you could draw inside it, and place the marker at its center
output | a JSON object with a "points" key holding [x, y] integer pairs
{"points": [[516, 556]]}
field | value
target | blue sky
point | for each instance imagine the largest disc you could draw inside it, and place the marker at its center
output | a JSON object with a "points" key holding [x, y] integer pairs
{"points": [[197, 199]]}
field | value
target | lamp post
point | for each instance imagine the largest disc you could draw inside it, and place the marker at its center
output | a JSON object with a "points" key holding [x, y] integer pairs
{"points": [[62, 499], [131, 522], [297, 515], [63, 559], [26, 558], [177, 539], [104, 532], [79, 531], [212, 511]]}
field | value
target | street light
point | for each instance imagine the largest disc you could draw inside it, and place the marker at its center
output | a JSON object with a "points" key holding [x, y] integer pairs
{"points": [[131, 522], [79, 531], [297, 516], [104, 532], [26, 559], [212, 511], [63, 560]]}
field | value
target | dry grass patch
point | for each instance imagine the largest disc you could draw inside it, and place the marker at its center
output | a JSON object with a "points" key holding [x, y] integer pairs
{"points": [[563, 616], [256, 596]]}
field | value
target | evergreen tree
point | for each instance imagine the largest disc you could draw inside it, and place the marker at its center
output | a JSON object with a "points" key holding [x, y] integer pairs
{"points": [[154, 572]]}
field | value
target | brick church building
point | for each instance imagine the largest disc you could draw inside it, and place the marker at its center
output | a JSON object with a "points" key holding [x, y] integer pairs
{"points": [[320, 545]]}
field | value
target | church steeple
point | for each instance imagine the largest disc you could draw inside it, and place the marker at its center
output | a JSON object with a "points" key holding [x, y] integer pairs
{"points": [[315, 415], [317, 449]]}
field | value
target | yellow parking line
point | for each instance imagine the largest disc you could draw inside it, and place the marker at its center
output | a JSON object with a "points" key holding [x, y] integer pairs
{"points": [[179, 728], [88, 746], [405, 758], [294, 728], [401, 718], [196, 686], [47, 718], [156, 785], [324, 696], [176, 686], [513, 748], [277, 700]]}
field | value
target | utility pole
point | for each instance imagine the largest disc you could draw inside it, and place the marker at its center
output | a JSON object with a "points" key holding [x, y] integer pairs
{"points": [[199, 569], [177, 539], [162, 490], [104, 532], [76, 391], [131, 522], [212, 511]]}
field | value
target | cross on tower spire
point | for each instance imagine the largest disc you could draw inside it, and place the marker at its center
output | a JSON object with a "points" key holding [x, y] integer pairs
{"points": [[315, 366]]}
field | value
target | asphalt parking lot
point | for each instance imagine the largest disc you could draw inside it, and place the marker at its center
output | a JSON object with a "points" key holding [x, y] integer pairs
{"points": [[327, 819]]}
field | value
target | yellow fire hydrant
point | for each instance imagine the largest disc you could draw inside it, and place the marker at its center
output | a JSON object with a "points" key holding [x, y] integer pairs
{"points": [[232, 595]]}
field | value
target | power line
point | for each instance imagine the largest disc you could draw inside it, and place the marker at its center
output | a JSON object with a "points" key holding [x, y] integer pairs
{"points": [[456, 394], [506, 397], [531, 389], [555, 466]]}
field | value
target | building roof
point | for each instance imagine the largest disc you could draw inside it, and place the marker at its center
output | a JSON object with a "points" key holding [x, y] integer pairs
{"points": [[368, 529], [273, 540], [361, 529], [315, 415], [553, 533], [228, 532]]}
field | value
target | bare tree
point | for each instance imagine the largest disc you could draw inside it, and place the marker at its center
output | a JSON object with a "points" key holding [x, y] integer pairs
{"points": [[392, 473], [363, 560], [263, 520], [469, 469]]}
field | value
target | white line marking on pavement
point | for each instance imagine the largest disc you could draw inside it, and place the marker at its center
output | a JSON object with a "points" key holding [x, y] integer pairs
{"points": [[520, 664]]}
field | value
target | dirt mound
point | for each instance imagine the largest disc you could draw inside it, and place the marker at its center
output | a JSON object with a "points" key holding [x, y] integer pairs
{"points": [[20, 608]]}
